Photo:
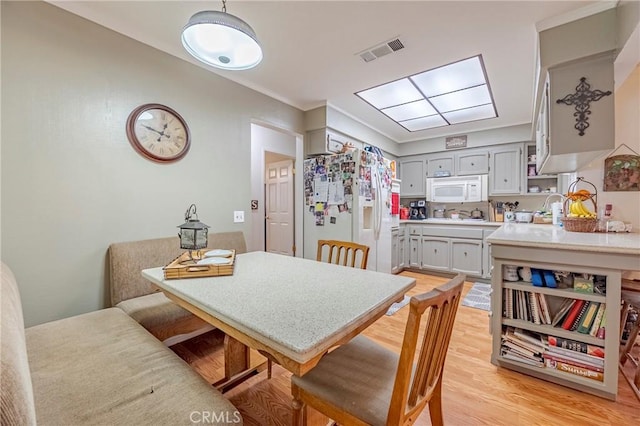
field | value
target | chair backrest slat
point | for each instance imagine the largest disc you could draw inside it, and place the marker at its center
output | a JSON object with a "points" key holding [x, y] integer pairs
{"points": [[343, 253], [414, 386]]}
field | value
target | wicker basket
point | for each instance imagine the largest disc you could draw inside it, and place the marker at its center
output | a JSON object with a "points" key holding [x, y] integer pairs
{"points": [[579, 224]]}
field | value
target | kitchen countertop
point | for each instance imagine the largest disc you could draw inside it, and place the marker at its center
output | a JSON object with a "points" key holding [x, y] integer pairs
{"points": [[554, 237], [433, 221]]}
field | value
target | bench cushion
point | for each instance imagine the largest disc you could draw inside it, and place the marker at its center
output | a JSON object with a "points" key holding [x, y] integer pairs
{"points": [[161, 316], [16, 395], [104, 368]]}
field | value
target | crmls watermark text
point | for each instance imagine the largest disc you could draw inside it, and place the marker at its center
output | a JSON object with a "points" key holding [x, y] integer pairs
{"points": [[215, 417]]}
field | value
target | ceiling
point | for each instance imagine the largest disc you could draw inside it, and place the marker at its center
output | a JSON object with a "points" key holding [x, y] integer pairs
{"points": [[311, 47]]}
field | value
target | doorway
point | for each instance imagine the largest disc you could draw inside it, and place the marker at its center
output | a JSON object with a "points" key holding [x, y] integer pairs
{"points": [[271, 145]]}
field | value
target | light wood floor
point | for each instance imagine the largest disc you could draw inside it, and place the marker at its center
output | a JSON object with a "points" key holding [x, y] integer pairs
{"points": [[475, 392]]}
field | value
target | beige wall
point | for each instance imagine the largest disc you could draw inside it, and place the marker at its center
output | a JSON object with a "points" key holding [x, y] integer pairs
{"points": [[71, 182], [626, 205]]}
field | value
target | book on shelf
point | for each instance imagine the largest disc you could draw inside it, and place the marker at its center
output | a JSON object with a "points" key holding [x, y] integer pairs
{"points": [[601, 330], [597, 320], [576, 346], [573, 314], [566, 305], [578, 320], [590, 314], [513, 356], [574, 369], [534, 307], [577, 356], [577, 363], [544, 308]]}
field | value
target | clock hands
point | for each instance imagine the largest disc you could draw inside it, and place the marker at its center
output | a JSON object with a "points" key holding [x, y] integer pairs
{"points": [[158, 132]]}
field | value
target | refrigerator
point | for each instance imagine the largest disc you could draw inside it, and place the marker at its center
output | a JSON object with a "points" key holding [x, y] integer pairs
{"points": [[349, 197]]}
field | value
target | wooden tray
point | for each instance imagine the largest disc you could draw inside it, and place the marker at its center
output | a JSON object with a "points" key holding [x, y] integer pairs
{"points": [[182, 267]]}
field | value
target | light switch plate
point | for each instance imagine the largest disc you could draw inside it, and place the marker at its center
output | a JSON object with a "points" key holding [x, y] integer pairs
{"points": [[238, 216]]}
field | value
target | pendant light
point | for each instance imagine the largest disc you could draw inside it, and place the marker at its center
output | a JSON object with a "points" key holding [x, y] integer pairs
{"points": [[221, 40]]}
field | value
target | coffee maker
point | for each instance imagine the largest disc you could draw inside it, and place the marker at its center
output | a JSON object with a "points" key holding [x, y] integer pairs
{"points": [[418, 210]]}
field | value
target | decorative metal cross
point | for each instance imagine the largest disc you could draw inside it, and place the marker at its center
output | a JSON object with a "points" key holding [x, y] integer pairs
{"points": [[581, 99]]}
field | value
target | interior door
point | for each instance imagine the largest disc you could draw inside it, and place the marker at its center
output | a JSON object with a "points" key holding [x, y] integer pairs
{"points": [[279, 207]]}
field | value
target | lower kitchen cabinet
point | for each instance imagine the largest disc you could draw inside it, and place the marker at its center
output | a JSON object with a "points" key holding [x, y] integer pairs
{"points": [[436, 254], [402, 242], [395, 251], [415, 251], [466, 256], [449, 249]]}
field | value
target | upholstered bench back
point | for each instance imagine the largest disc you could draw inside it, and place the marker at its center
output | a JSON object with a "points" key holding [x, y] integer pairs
{"points": [[127, 259], [17, 405]]}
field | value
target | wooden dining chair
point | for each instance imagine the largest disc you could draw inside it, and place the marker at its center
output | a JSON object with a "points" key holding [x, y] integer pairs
{"points": [[343, 253], [363, 383]]}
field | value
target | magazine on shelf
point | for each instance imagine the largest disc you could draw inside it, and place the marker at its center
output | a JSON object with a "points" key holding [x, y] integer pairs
{"points": [[574, 369], [575, 346]]}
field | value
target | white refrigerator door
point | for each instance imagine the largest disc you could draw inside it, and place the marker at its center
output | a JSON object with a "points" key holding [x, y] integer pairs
{"points": [[337, 223]]}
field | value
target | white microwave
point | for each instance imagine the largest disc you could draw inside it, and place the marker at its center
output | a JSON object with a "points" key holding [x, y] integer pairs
{"points": [[457, 189]]}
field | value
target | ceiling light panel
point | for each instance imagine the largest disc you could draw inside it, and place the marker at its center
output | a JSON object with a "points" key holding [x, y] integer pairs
{"points": [[423, 123], [450, 78], [451, 94], [415, 109], [391, 94], [470, 114], [465, 98]]}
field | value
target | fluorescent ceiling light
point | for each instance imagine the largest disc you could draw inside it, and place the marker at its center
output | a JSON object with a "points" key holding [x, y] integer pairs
{"points": [[423, 123], [415, 109], [451, 94], [391, 94]]}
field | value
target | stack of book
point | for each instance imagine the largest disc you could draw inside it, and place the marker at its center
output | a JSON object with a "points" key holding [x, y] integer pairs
{"points": [[526, 305], [582, 316], [523, 346], [574, 357]]}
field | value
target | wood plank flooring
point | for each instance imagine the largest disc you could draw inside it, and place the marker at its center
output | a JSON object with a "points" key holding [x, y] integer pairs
{"points": [[475, 392]]}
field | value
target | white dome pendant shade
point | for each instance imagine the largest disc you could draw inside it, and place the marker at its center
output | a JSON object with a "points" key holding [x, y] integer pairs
{"points": [[221, 40]]}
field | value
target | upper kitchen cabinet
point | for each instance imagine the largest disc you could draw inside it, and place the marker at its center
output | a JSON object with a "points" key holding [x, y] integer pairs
{"points": [[472, 162], [441, 164], [576, 122], [575, 110], [413, 177], [321, 142], [505, 171]]}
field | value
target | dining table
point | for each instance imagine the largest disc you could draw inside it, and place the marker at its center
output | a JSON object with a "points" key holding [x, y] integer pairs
{"points": [[290, 309]]}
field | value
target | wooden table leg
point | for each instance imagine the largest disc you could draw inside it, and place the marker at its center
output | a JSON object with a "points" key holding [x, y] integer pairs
{"points": [[237, 367]]}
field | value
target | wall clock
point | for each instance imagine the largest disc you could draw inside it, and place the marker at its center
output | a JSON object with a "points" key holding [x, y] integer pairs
{"points": [[158, 133]]}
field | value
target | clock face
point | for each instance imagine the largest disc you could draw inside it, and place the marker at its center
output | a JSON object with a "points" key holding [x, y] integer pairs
{"points": [[158, 133]]}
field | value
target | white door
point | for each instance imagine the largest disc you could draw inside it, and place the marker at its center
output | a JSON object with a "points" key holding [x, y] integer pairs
{"points": [[279, 207]]}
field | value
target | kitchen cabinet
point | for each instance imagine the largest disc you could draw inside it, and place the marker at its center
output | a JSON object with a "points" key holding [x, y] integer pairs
{"points": [[436, 254], [402, 242], [565, 142], [472, 162], [543, 182], [415, 246], [505, 171], [395, 251], [413, 177], [442, 162], [466, 256]]}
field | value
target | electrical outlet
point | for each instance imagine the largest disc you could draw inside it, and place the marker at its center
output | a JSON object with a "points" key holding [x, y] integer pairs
{"points": [[238, 216]]}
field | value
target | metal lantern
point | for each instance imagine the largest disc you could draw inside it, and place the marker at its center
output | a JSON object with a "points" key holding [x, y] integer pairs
{"points": [[193, 233]]}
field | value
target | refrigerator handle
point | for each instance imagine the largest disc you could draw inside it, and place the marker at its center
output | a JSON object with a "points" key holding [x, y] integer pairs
{"points": [[378, 208]]}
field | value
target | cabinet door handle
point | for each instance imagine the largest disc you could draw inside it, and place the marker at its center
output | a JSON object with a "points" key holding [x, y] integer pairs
{"points": [[465, 253], [505, 180], [435, 250], [472, 164]]}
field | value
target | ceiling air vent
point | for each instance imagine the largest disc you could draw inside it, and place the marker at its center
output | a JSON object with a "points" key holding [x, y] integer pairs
{"points": [[381, 50]]}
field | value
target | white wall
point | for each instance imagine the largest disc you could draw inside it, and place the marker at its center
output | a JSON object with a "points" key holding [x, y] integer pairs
{"points": [[71, 182]]}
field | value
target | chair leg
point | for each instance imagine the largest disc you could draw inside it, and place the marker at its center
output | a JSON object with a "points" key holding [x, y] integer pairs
{"points": [[299, 408], [435, 404], [633, 335], [269, 367]]}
